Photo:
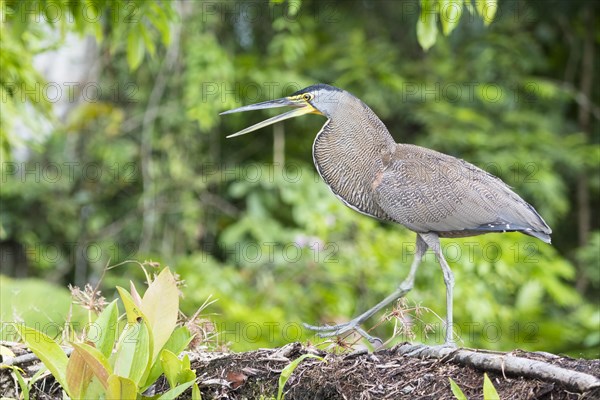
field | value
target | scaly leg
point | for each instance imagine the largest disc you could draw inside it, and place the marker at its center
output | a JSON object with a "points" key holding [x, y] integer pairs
{"points": [[433, 241], [403, 288]]}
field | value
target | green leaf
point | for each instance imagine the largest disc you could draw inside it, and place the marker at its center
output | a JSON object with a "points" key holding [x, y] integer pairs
{"points": [[132, 359], [176, 371], [450, 13], [148, 42], [22, 384], [175, 392], [160, 305], [132, 310], [96, 361], [120, 387], [135, 49], [171, 366], [178, 341], [487, 10], [489, 391], [107, 326], [456, 391], [196, 395], [469, 7], [48, 351], [160, 18], [426, 25], [289, 370]]}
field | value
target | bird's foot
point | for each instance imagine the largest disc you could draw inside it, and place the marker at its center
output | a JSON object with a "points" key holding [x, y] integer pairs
{"points": [[422, 349], [450, 343], [446, 345], [341, 329]]}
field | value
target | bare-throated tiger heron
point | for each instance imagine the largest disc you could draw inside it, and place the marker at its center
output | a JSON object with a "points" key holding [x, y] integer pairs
{"points": [[430, 193]]}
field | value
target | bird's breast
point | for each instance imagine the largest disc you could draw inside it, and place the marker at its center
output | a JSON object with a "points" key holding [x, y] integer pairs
{"points": [[350, 163]]}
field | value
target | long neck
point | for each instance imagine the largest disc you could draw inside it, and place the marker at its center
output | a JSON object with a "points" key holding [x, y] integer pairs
{"points": [[350, 153]]}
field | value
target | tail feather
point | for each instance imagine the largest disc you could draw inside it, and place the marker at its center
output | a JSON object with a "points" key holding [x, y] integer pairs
{"points": [[544, 237]]}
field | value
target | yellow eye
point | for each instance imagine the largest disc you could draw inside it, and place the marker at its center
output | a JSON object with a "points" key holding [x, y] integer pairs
{"points": [[307, 96]]}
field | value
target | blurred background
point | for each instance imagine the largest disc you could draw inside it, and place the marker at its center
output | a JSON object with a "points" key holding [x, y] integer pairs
{"points": [[113, 149]]}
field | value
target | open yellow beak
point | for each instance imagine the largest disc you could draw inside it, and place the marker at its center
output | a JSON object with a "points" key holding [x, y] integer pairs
{"points": [[302, 108]]}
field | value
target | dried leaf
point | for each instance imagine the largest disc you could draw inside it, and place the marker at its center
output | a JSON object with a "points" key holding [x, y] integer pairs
{"points": [[96, 362], [79, 374], [236, 379]]}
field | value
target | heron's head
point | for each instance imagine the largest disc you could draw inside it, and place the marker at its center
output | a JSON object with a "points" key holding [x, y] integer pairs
{"points": [[316, 99]]}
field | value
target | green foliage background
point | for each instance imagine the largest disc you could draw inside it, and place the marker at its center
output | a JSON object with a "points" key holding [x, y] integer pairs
{"points": [[268, 239]]}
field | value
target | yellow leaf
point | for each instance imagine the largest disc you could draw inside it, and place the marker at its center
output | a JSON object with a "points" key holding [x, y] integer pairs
{"points": [[133, 312], [121, 388], [160, 305]]}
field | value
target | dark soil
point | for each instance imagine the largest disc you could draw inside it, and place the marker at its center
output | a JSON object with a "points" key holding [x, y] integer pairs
{"points": [[384, 374], [380, 375]]}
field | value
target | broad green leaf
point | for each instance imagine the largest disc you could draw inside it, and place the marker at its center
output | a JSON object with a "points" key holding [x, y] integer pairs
{"points": [[450, 13], [160, 19], [489, 391], [426, 25], [148, 42], [106, 326], [79, 374], [186, 375], [176, 391], [171, 366], [487, 10], [135, 49], [48, 351], [161, 306], [95, 390], [133, 312], [176, 371], [178, 341], [96, 361], [120, 387], [196, 395], [289, 370], [133, 352], [456, 391]]}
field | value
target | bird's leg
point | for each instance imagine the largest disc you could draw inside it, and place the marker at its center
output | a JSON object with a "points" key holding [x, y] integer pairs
{"points": [[421, 248], [401, 290], [433, 241]]}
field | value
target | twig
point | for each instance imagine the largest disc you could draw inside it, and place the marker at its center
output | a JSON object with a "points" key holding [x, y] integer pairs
{"points": [[508, 363], [26, 359]]}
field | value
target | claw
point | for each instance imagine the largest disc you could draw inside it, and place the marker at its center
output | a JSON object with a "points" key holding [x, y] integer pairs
{"points": [[338, 330]]}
